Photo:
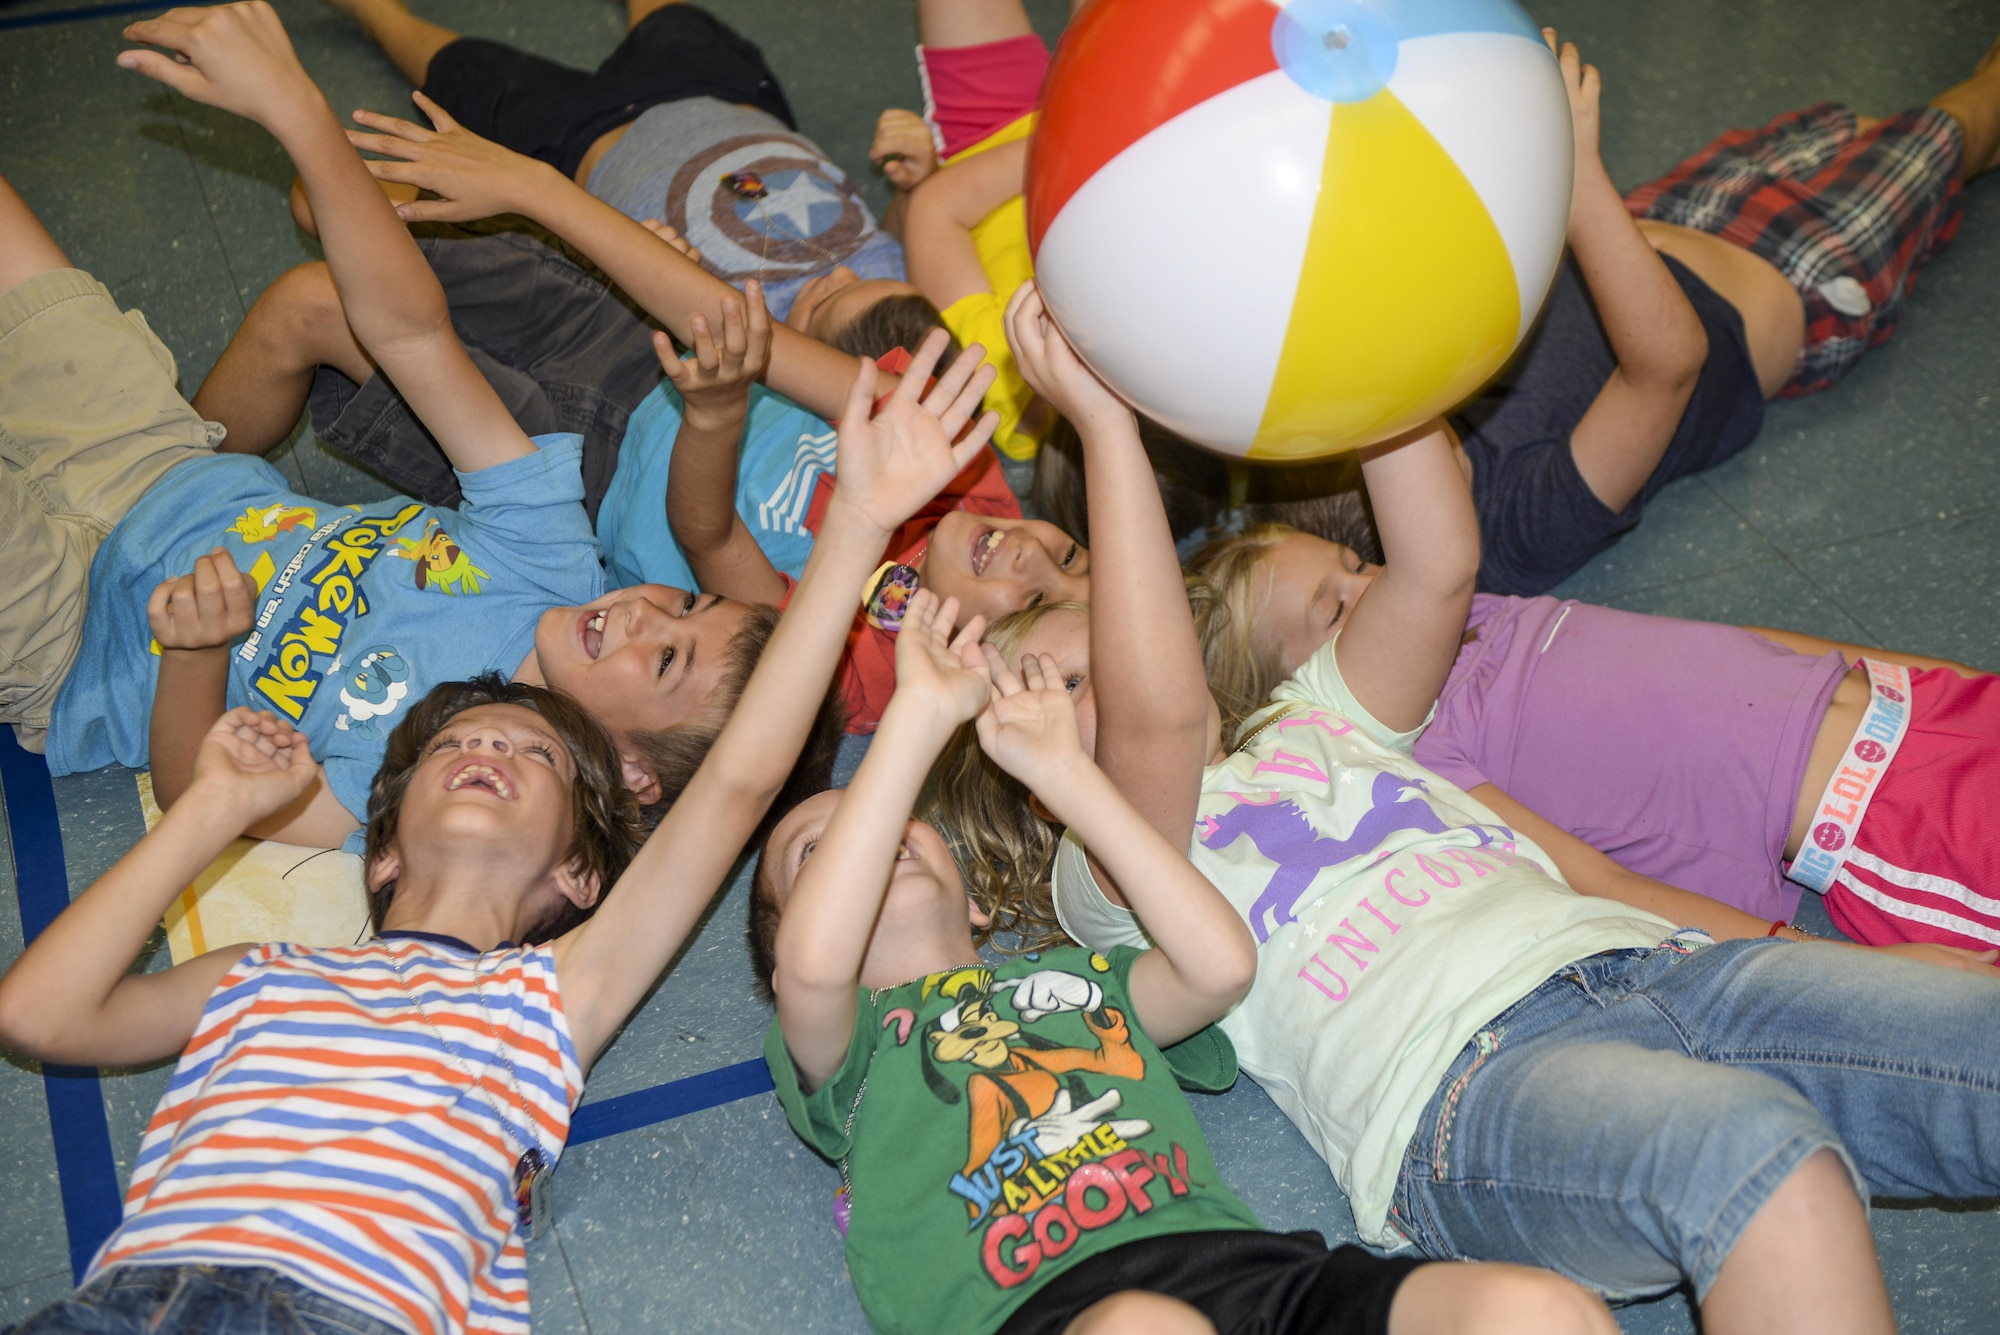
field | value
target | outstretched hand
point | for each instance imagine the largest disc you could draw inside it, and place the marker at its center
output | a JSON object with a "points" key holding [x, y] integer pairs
{"points": [[472, 177], [1583, 85], [236, 57], [204, 609], [1050, 365], [894, 459], [1029, 725], [715, 382], [253, 764], [936, 669]]}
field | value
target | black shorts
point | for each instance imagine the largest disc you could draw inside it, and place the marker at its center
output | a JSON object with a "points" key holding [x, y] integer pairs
{"points": [[1245, 1282], [564, 349], [554, 113]]}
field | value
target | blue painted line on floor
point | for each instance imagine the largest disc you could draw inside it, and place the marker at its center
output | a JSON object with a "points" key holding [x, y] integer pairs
{"points": [[43, 20], [661, 1103], [84, 1164]]}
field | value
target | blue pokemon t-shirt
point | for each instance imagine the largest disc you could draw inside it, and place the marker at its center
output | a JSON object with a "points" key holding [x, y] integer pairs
{"points": [[784, 452], [360, 610]]}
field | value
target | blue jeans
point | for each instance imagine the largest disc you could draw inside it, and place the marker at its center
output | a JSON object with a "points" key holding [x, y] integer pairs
{"points": [[1622, 1123], [200, 1300]]}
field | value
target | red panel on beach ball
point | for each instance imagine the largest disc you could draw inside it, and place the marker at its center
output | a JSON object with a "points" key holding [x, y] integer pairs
{"points": [[1127, 67]]}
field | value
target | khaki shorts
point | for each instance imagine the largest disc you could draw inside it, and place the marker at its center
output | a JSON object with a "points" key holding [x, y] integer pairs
{"points": [[89, 421]]}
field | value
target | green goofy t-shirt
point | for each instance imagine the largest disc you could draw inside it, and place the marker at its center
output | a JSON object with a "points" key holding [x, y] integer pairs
{"points": [[1002, 1125]]}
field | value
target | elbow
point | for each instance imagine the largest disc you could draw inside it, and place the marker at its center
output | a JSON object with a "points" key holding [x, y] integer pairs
{"points": [[1675, 368], [26, 1027]]}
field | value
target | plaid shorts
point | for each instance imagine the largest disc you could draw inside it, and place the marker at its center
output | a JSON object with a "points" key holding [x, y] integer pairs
{"points": [[1848, 218]]}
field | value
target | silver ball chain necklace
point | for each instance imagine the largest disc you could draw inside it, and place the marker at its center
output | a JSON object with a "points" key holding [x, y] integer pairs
{"points": [[534, 1206]]}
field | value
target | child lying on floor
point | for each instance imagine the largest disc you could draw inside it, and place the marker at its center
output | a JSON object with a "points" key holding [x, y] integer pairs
{"points": [[563, 347], [1012, 1133], [742, 518], [1709, 757], [1493, 1064], [1767, 264], [684, 122], [501, 816]]}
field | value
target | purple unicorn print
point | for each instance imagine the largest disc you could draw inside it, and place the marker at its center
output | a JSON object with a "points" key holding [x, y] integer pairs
{"points": [[1283, 833]]}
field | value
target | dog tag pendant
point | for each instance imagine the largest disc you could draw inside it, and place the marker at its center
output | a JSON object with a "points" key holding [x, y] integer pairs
{"points": [[533, 1201]]}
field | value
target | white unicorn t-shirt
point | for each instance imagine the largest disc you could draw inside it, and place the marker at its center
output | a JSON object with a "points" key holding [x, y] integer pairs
{"points": [[1395, 916]]}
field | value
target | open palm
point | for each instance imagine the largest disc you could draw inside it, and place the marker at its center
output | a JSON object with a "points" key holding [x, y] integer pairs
{"points": [[1029, 726], [254, 763], [895, 458]]}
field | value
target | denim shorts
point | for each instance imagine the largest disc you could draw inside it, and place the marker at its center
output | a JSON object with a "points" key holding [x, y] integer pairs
{"points": [[1622, 1123], [564, 349], [198, 1300]]}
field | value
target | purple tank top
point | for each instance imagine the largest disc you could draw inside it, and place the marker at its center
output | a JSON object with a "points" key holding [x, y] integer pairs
{"points": [[1676, 747]]}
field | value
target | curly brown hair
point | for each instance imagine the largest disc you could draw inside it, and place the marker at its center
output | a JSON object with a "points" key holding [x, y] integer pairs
{"points": [[606, 823], [1004, 848]]}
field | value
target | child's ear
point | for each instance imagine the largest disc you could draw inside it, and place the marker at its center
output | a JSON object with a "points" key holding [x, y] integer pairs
{"points": [[1035, 805], [579, 886], [387, 866], [980, 917], [645, 785]]}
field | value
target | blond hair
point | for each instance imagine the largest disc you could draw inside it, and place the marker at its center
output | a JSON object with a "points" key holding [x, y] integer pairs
{"points": [[1223, 586], [1005, 850]]}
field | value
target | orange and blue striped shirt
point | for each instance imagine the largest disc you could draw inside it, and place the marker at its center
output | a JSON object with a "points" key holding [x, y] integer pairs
{"points": [[318, 1125]]}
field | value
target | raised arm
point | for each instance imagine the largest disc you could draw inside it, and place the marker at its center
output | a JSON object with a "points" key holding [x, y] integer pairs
{"points": [[941, 213], [1203, 958], [69, 997], [1148, 685], [714, 386], [824, 933], [1654, 332], [237, 57], [476, 178], [888, 466], [1397, 645]]}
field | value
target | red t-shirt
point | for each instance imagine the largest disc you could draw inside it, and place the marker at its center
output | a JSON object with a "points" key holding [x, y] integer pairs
{"points": [[868, 668]]}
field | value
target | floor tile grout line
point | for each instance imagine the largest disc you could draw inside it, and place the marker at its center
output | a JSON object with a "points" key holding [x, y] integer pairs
{"points": [[1891, 531], [1869, 633], [575, 1288], [33, 1279]]}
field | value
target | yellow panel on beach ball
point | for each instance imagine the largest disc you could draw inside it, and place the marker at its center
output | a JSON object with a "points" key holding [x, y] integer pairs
{"points": [[1407, 298]]}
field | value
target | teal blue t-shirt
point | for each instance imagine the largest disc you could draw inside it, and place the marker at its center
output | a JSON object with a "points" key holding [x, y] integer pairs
{"points": [[784, 453], [360, 610]]}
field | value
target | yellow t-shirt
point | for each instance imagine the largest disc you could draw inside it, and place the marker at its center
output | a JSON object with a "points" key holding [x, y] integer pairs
{"points": [[1001, 238]]}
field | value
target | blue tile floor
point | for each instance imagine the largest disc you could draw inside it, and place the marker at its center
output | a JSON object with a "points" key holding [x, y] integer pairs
{"points": [[1869, 514]]}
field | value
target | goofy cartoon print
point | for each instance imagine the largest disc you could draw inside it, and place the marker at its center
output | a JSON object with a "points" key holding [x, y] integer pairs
{"points": [[1030, 1110]]}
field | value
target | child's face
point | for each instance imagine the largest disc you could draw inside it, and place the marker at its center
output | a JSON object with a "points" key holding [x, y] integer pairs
{"points": [[1309, 588], [832, 301], [994, 566], [1065, 637], [496, 779], [923, 879], [644, 657]]}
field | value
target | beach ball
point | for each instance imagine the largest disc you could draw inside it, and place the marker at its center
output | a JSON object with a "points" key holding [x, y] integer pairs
{"points": [[1289, 230]]}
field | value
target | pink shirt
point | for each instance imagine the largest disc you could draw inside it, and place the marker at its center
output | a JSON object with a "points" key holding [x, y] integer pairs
{"points": [[1676, 747]]}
